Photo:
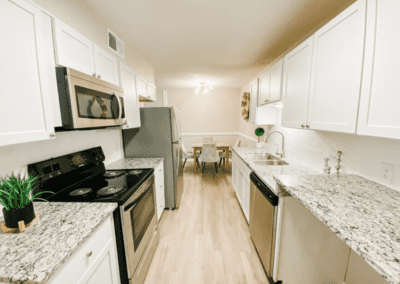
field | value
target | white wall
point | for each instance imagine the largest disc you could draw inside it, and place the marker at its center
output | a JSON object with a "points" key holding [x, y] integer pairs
{"points": [[214, 114]]}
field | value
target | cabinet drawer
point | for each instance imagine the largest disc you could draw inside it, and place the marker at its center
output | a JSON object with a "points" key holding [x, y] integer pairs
{"points": [[76, 266]]}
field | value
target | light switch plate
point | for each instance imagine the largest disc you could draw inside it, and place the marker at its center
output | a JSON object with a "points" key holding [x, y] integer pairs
{"points": [[387, 171]]}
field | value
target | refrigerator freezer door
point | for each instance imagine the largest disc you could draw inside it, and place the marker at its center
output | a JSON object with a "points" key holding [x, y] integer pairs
{"points": [[176, 135]]}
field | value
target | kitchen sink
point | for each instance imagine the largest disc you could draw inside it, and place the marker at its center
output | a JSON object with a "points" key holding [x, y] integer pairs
{"points": [[263, 157], [271, 163]]}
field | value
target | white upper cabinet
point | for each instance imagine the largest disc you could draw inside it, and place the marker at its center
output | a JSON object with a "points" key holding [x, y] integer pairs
{"points": [[106, 65], [151, 92], [253, 101], [275, 89], [25, 103], [336, 71], [78, 52], [128, 83], [379, 113], [73, 49], [141, 88], [270, 84], [263, 95], [296, 85], [260, 115]]}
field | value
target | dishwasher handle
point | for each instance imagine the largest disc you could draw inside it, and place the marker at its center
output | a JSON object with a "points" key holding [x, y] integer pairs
{"points": [[264, 189]]}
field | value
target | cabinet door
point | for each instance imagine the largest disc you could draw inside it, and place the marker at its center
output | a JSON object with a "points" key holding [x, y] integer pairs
{"points": [[106, 65], [337, 68], [379, 113], [360, 272], [275, 89], [131, 100], [263, 95], [246, 197], [25, 102], [151, 92], [104, 269], [160, 191], [73, 49], [234, 175], [296, 84], [141, 88], [239, 189], [253, 101]]}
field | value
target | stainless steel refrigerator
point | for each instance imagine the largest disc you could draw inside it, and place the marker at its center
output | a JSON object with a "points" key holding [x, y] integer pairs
{"points": [[159, 136]]}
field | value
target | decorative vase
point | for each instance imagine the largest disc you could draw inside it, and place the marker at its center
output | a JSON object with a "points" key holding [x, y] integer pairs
{"points": [[12, 217]]}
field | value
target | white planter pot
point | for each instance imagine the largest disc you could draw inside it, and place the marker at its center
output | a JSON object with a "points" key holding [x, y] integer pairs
{"points": [[259, 145]]}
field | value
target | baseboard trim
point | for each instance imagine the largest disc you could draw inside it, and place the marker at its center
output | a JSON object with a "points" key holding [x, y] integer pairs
{"points": [[220, 134]]}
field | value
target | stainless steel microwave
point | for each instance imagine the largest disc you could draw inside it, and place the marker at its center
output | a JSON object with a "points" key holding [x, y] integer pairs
{"points": [[88, 102]]}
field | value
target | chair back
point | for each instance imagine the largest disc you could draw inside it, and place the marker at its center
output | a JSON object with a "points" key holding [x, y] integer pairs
{"points": [[207, 139], [238, 143], [209, 153]]}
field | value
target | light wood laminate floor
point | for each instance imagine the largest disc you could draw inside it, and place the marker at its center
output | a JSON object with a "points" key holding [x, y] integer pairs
{"points": [[207, 239]]}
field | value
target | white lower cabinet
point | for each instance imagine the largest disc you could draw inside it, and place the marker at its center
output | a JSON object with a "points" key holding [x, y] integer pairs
{"points": [[360, 272], [241, 183], [25, 101], [309, 252], [95, 261], [160, 191]]}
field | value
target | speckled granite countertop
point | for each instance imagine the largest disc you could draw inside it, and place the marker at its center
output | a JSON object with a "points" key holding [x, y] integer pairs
{"points": [[33, 256], [267, 173], [363, 213], [135, 163]]}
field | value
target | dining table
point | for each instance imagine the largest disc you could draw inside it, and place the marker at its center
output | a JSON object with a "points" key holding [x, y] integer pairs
{"points": [[199, 146]]}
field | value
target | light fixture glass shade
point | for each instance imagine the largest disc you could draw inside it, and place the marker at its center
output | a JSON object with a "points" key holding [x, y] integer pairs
{"points": [[210, 87], [197, 91], [205, 91]]}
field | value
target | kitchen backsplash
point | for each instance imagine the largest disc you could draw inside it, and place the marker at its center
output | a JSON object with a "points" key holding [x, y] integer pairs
{"points": [[16, 157]]}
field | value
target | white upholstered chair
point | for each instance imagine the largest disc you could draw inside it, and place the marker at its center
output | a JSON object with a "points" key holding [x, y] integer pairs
{"points": [[209, 154], [187, 155], [222, 154]]}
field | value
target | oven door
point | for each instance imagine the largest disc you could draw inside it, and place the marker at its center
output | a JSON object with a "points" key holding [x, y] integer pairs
{"points": [[88, 102], [139, 221]]}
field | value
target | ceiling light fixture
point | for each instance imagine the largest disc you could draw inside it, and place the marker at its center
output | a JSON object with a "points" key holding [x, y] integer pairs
{"points": [[204, 88]]}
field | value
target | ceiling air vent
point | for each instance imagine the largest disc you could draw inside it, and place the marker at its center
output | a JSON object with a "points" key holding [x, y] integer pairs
{"points": [[115, 44]]}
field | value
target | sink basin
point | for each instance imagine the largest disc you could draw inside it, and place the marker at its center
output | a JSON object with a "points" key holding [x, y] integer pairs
{"points": [[264, 157], [271, 163]]}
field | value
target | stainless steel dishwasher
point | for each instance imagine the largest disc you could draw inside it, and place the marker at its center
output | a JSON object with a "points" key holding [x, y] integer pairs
{"points": [[263, 213]]}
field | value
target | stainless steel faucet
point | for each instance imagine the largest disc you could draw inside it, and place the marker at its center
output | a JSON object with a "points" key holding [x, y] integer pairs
{"points": [[283, 143]]}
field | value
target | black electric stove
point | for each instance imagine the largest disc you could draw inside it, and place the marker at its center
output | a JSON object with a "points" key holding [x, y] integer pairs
{"points": [[82, 177]]}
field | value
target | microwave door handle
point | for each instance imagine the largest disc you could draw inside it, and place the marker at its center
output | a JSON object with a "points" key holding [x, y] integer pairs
{"points": [[119, 106]]}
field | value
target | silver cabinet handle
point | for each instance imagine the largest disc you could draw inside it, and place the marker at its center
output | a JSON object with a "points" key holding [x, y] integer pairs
{"points": [[99, 76], [302, 126], [119, 106], [307, 126], [52, 135], [94, 74], [89, 254]]}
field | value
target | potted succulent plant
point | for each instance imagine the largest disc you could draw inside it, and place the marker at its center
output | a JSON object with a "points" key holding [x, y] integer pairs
{"points": [[16, 197], [259, 132]]}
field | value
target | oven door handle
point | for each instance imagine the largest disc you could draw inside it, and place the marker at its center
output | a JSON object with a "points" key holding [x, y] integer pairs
{"points": [[134, 202], [119, 106]]}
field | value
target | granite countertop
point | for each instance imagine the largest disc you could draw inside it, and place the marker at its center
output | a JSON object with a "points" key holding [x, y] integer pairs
{"points": [[33, 256], [267, 173], [363, 213], [135, 163]]}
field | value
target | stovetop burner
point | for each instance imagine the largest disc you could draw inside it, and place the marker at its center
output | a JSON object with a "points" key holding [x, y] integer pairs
{"points": [[80, 192], [135, 172], [109, 190], [113, 174]]}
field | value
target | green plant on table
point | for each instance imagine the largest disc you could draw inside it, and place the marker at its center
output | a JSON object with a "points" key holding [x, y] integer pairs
{"points": [[16, 191]]}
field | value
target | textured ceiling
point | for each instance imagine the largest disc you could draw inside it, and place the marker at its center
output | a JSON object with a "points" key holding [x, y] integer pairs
{"points": [[224, 41]]}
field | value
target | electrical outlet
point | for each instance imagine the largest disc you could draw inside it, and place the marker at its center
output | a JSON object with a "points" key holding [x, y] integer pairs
{"points": [[387, 171]]}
